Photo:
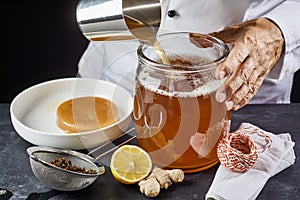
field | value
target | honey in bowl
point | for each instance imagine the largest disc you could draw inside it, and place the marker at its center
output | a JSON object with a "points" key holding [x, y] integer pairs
{"points": [[85, 114]]}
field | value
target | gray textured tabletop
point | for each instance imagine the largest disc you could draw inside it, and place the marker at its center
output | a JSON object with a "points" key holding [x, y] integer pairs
{"points": [[17, 179]]}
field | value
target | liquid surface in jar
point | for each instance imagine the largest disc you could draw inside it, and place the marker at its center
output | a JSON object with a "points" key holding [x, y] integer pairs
{"points": [[85, 114]]}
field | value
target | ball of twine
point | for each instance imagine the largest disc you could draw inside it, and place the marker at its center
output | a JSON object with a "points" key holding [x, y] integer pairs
{"points": [[237, 152]]}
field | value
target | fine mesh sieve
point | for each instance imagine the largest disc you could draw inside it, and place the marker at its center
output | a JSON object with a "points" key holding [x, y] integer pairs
{"points": [[58, 178], [67, 180]]}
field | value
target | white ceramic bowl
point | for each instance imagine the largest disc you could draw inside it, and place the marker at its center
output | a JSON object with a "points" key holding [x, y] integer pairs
{"points": [[33, 112]]}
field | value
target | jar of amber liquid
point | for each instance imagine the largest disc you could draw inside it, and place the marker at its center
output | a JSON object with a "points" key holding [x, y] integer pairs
{"points": [[177, 118]]}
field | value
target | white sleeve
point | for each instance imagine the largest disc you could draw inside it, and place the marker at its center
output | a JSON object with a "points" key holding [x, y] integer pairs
{"points": [[113, 61], [91, 62], [286, 15]]}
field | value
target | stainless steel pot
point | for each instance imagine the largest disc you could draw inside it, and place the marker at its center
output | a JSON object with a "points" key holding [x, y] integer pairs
{"points": [[101, 20]]}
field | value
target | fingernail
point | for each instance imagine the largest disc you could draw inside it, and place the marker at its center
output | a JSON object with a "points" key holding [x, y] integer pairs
{"points": [[222, 74], [229, 105], [236, 107], [220, 96]]}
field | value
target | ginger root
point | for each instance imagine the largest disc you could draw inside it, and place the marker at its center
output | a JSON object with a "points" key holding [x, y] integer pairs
{"points": [[160, 178], [150, 187]]}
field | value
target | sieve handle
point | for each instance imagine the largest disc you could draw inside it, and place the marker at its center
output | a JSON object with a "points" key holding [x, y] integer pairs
{"points": [[109, 142]]}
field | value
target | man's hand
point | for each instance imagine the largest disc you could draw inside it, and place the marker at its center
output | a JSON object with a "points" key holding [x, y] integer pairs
{"points": [[257, 46]]}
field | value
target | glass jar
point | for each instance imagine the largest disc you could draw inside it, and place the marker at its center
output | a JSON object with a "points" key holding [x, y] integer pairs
{"points": [[177, 118]]}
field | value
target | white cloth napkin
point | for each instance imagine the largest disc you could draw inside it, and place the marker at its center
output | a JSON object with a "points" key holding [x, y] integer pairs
{"points": [[228, 185]]}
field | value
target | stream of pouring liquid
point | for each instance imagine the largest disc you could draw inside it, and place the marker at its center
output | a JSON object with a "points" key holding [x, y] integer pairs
{"points": [[142, 31], [145, 31], [161, 53]]}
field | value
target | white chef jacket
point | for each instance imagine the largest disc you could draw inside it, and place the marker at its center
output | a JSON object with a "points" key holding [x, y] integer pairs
{"points": [[116, 61]]}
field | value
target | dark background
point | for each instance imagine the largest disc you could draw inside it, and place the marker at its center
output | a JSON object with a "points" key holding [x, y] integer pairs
{"points": [[42, 41]]}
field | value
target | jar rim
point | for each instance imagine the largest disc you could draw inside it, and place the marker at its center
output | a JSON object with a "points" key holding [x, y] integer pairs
{"points": [[196, 67]]}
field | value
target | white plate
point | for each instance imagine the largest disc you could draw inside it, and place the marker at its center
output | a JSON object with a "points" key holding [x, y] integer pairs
{"points": [[33, 112]]}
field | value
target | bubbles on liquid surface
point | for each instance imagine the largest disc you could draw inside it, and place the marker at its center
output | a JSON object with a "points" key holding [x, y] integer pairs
{"points": [[200, 84]]}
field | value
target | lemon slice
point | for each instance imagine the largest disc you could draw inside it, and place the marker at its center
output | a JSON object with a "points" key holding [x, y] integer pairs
{"points": [[130, 164]]}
